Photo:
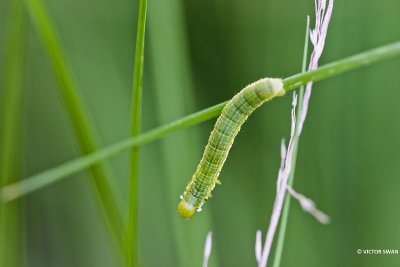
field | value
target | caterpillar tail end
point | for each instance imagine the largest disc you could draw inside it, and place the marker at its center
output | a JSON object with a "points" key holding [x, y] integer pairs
{"points": [[277, 85], [186, 210]]}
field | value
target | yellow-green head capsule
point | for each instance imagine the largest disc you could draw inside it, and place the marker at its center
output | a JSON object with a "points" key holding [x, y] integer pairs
{"points": [[234, 114]]}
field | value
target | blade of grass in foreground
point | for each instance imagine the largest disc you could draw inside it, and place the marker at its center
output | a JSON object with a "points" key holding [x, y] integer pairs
{"points": [[85, 133], [52, 175], [10, 226], [131, 233]]}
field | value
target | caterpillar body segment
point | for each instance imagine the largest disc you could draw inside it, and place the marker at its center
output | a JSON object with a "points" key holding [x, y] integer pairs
{"points": [[234, 114]]}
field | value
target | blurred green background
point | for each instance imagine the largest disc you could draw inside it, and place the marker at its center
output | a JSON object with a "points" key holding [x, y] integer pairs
{"points": [[200, 53]]}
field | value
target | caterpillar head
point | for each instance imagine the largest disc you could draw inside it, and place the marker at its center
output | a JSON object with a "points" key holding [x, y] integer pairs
{"points": [[189, 205], [185, 209]]}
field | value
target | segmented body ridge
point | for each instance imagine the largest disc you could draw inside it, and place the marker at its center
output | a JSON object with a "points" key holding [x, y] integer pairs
{"points": [[228, 125]]}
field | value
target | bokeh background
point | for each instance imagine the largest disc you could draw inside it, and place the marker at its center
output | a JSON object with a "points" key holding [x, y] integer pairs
{"points": [[199, 53]]}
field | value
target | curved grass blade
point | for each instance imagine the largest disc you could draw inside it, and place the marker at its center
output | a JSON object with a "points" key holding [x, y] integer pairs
{"points": [[84, 131], [10, 163]]}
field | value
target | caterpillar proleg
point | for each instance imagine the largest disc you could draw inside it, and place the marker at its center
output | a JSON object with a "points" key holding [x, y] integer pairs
{"points": [[234, 114]]}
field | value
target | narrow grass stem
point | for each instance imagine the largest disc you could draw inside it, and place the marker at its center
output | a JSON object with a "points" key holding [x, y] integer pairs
{"points": [[286, 205], [131, 232], [52, 175], [84, 131]]}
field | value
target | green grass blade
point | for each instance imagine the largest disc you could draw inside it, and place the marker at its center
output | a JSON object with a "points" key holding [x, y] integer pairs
{"points": [[286, 205], [343, 65], [52, 175], [85, 133], [131, 234], [10, 163]]}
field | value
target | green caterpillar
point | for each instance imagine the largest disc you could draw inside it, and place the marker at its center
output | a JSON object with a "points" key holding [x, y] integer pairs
{"points": [[234, 114]]}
